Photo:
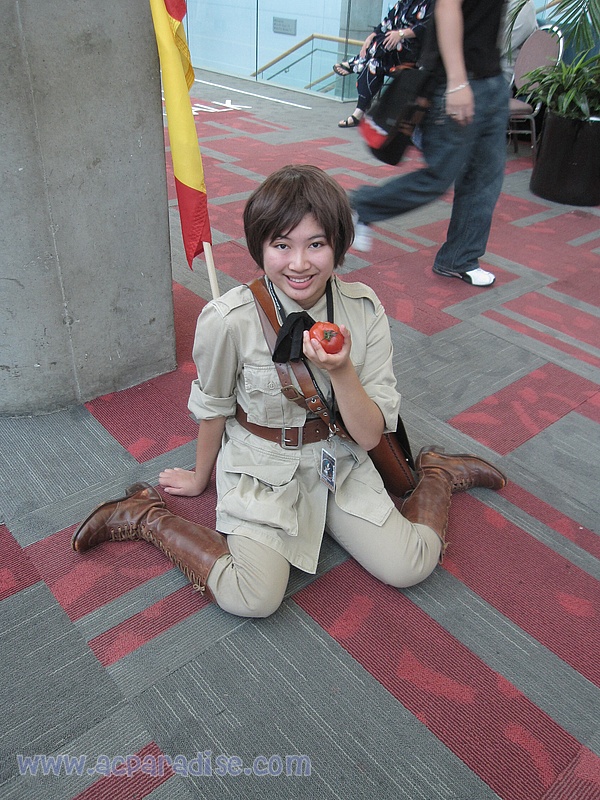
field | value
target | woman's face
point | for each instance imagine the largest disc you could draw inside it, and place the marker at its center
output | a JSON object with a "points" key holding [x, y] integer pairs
{"points": [[300, 262]]}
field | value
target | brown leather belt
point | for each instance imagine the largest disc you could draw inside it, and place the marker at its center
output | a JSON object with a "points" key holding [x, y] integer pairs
{"points": [[314, 430]]}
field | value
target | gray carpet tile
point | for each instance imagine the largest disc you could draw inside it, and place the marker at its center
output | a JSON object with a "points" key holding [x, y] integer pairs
{"points": [[568, 449], [280, 687], [191, 637], [45, 458], [172, 649], [176, 788], [120, 733], [449, 372], [543, 350], [52, 684], [550, 683], [539, 481], [64, 511]]}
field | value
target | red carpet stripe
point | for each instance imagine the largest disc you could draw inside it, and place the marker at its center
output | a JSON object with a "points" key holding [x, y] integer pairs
{"points": [[138, 785], [559, 316], [540, 591], [591, 408], [136, 631], [503, 737], [145, 421], [83, 582], [554, 519], [581, 781], [505, 420], [408, 291]]}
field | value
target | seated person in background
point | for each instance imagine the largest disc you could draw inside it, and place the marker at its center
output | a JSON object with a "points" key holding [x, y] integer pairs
{"points": [[525, 25], [396, 40]]}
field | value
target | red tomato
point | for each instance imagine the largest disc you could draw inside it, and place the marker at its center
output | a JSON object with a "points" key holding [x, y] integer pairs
{"points": [[328, 335]]}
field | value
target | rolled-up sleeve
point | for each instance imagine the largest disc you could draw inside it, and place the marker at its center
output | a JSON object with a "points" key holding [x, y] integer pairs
{"points": [[215, 353]]}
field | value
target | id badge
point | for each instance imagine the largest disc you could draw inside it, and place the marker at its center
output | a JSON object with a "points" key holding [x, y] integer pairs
{"points": [[327, 471]]}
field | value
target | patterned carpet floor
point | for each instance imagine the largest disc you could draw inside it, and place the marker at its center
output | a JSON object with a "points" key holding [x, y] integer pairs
{"points": [[481, 683]]}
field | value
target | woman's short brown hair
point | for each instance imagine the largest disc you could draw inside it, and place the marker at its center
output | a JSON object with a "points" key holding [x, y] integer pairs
{"points": [[282, 201]]}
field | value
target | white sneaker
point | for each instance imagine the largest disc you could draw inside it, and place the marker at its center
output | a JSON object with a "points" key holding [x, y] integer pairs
{"points": [[363, 238], [476, 277]]}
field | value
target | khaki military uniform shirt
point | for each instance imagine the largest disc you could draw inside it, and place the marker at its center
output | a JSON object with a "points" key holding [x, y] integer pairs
{"points": [[265, 492]]}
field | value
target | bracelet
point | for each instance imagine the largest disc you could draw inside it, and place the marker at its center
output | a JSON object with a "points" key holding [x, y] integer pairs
{"points": [[457, 88]]}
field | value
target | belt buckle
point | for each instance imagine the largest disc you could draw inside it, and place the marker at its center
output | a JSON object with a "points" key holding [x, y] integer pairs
{"points": [[284, 440]]}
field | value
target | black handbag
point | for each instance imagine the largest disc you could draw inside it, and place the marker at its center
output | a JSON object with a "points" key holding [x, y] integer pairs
{"points": [[390, 123]]}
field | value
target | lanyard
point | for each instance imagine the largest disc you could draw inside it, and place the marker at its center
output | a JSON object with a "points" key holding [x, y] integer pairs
{"points": [[282, 316]]}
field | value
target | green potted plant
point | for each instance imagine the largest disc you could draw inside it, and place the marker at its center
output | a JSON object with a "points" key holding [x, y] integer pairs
{"points": [[567, 167]]}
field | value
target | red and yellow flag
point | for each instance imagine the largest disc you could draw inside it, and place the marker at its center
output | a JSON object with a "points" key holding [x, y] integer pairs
{"points": [[177, 79]]}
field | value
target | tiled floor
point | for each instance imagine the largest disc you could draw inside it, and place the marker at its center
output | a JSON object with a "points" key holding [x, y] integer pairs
{"points": [[482, 682]]}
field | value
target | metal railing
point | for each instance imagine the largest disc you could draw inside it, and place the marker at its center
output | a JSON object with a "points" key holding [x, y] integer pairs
{"points": [[311, 45]]}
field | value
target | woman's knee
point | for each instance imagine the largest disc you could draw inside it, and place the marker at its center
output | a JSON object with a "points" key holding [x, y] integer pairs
{"points": [[254, 606], [243, 585], [417, 555]]}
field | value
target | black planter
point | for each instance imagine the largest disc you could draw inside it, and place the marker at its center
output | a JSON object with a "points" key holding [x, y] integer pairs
{"points": [[567, 168]]}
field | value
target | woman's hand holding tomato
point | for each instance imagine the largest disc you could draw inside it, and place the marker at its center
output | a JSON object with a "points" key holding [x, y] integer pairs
{"points": [[327, 345], [328, 335]]}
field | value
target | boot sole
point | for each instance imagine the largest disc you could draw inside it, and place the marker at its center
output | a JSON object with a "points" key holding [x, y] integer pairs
{"points": [[131, 490]]}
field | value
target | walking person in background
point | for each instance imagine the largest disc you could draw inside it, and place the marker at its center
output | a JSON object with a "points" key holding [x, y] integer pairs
{"points": [[463, 139], [397, 40]]}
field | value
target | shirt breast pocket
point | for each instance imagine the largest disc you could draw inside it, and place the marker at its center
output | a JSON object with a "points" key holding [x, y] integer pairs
{"points": [[266, 403]]}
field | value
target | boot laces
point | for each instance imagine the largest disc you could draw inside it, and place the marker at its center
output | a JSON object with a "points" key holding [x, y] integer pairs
{"points": [[197, 583], [124, 533]]}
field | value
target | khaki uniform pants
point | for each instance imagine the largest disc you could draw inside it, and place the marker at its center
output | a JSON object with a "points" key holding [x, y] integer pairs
{"points": [[252, 579]]}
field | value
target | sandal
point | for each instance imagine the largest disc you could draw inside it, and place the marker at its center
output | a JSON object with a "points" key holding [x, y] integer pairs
{"points": [[342, 69], [349, 122]]}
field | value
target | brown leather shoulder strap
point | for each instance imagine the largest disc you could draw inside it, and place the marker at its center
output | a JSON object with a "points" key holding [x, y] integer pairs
{"points": [[270, 325], [265, 302], [309, 395]]}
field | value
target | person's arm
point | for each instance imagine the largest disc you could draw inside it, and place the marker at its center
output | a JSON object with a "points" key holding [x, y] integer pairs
{"points": [[188, 482], [449, 29], [393, 38], [366, 45], [362, 417]]}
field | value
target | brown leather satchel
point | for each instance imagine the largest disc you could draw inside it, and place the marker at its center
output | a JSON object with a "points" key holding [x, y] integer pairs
{"points": [[394, 462], [392, 457]]}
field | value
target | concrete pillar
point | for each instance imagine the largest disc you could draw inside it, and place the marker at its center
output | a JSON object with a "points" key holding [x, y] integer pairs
{"points": [[85, 265]]}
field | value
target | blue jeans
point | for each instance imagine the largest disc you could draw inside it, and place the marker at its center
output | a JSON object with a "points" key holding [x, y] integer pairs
{"points": [[471, 157]]}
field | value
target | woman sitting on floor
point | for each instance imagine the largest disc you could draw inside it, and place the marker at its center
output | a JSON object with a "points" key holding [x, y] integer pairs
{"points": [[395, 41], [285, 473]]}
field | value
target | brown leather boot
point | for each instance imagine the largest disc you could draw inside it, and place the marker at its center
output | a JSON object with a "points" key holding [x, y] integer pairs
{"points": [[440, 476], [465, 471], [429, 504], [141, 514]]}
